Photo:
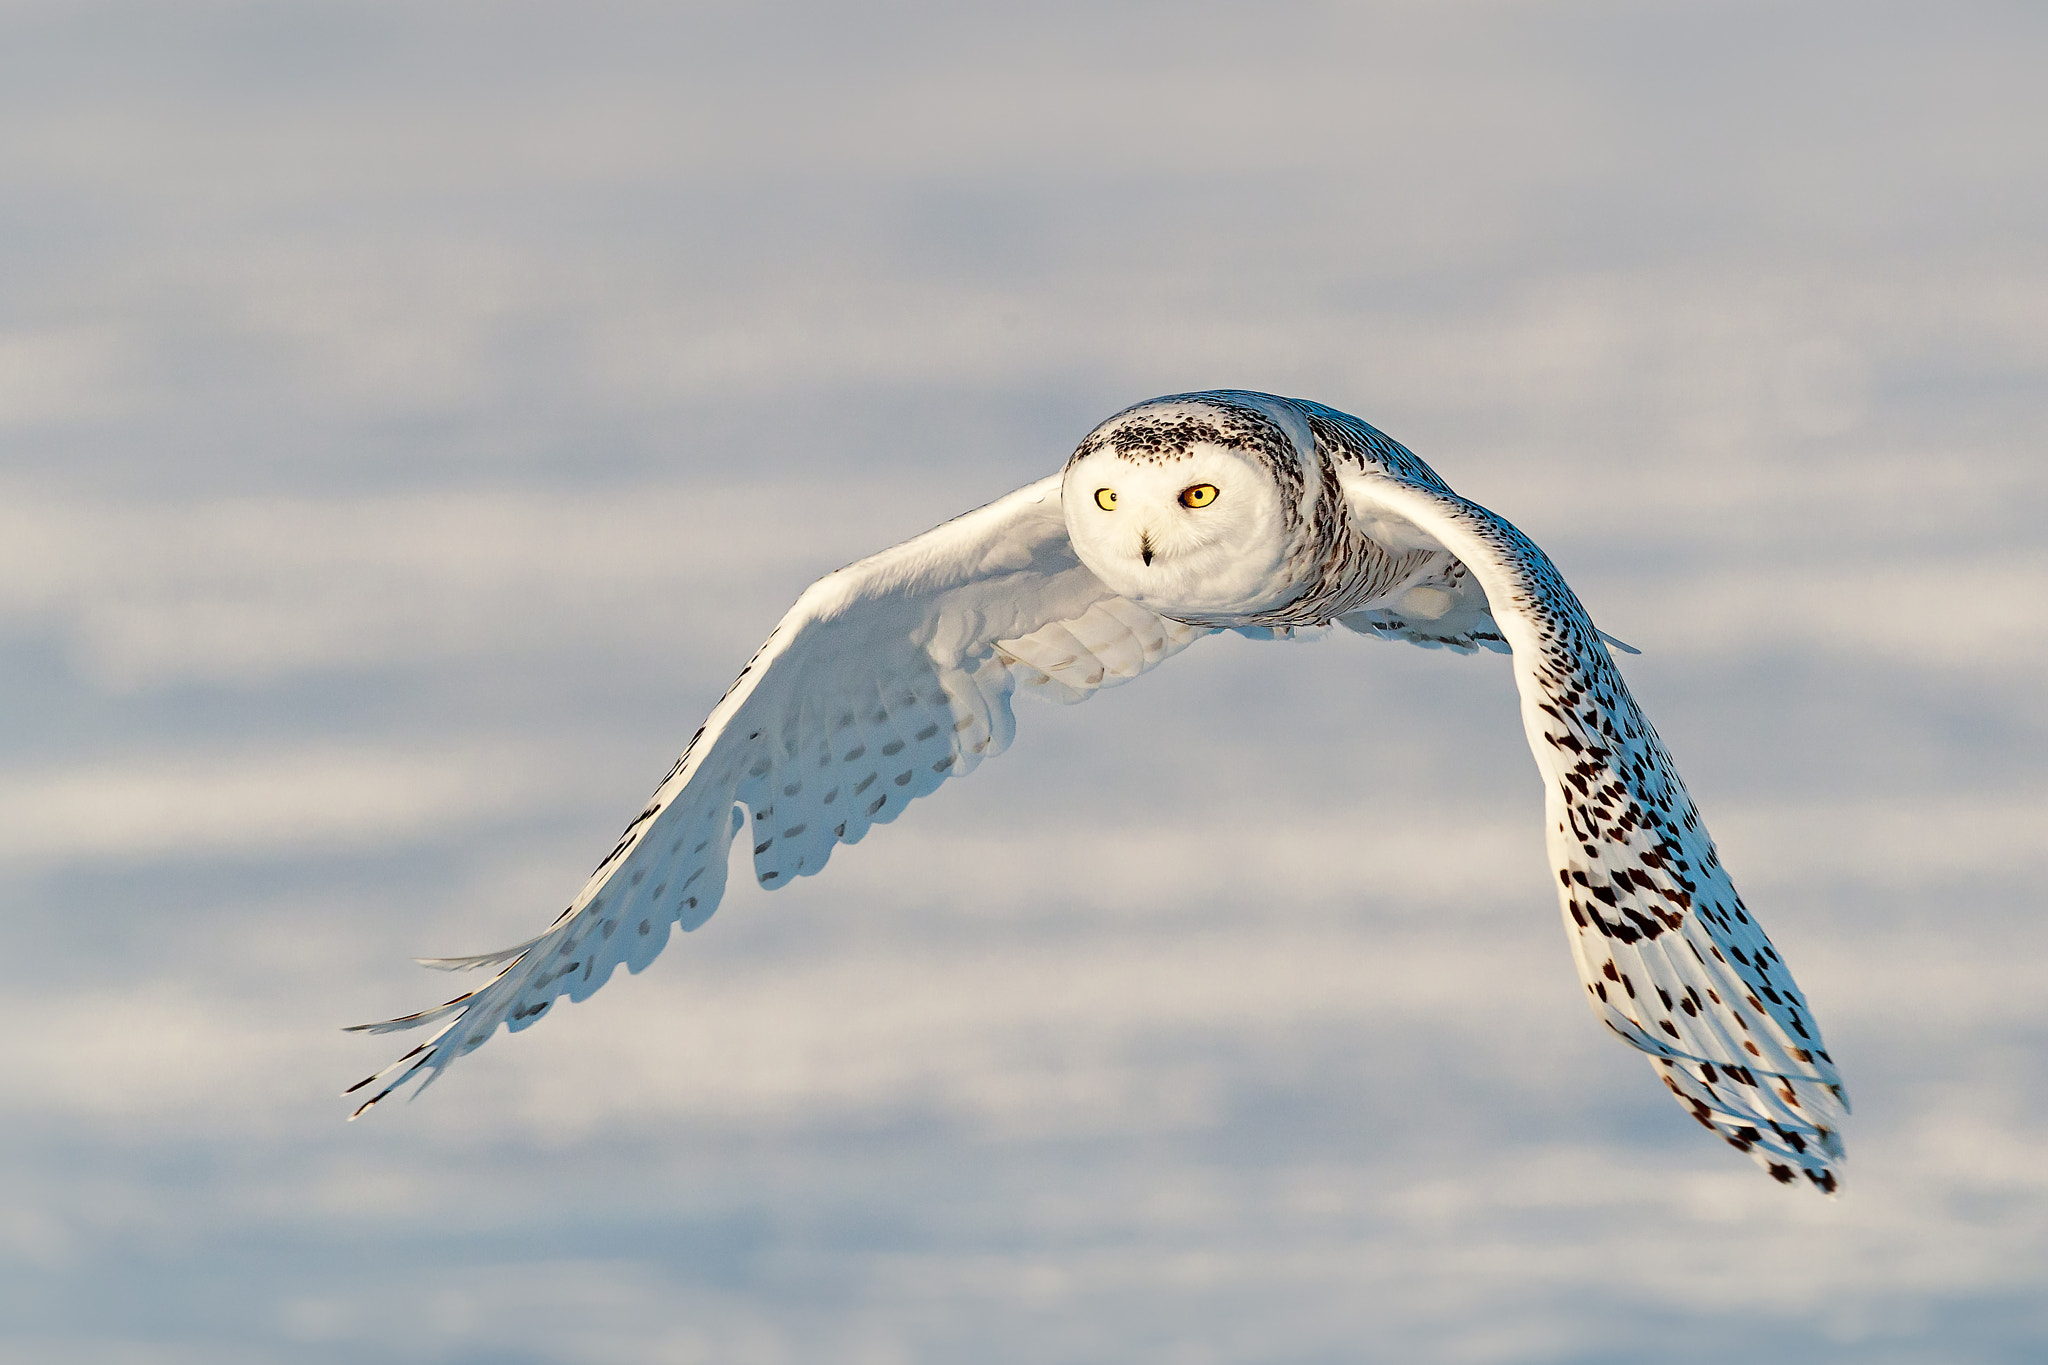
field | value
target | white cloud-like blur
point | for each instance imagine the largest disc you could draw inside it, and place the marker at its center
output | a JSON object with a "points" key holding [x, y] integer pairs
{"points": [[412, 416]]}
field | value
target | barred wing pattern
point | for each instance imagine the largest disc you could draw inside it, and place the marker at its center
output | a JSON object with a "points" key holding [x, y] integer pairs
{"points": [[1670, 957], [885, 679]]}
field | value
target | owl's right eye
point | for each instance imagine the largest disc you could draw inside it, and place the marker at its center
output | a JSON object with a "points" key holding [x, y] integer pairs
{"points": [[1105, 498]]}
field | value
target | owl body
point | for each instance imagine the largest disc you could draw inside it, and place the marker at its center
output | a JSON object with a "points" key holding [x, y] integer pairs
{"points": [[1173, 519], [1277, 547]]}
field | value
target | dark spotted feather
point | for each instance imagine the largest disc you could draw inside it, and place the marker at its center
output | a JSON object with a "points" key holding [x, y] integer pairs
{"points": [[1671, 959]]}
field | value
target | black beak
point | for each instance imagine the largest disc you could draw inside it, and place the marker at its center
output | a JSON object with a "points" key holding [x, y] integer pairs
{"points": [[1145, 547]]}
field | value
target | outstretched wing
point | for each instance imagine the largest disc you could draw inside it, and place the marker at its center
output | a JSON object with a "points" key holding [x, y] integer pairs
{"points": [[886, 678], [1671, 959]]}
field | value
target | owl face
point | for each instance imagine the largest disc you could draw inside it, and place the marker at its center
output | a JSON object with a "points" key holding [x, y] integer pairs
{"points": [[1190, 528]]}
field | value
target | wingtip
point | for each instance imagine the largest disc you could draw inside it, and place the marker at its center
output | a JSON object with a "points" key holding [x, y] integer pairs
{"points": [[367, 1105], [420, 1056], [1827, 1180], [474, 961], [405, 1022]]}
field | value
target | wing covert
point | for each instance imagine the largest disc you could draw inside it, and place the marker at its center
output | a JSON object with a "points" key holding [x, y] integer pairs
{"points": [[885, 679]]}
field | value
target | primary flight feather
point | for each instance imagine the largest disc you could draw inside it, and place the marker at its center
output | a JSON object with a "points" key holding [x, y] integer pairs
{"points": [[1172, 520]]}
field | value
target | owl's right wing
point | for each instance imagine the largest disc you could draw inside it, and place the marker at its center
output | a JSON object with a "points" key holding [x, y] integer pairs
{"points": [[886, 678], [1670, 957]]}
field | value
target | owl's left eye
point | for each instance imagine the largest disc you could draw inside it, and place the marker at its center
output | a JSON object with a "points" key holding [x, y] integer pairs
{"points": [[1200, 495]]}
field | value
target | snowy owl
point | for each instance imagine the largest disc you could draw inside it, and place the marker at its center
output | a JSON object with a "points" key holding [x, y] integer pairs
{"points": [[1175, 519]]}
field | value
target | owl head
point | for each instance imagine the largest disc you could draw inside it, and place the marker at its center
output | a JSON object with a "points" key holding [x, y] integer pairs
{"points": [[1195, 504]]}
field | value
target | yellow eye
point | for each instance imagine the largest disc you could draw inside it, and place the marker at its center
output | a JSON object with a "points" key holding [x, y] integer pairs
{"points": [[1105, 498], [1201, 495]]}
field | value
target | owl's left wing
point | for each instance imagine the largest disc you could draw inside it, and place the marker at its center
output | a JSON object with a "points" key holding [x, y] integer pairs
{"points": [[1671, 959], [886, 678]]}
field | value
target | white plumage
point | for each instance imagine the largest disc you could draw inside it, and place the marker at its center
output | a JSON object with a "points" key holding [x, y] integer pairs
{"points": [[1174, 519]]}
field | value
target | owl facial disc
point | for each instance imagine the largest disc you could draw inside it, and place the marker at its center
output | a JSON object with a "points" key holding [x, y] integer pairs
{"points": [[1174, 505]]}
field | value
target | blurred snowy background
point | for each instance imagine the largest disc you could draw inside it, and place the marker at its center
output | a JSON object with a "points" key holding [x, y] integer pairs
{"points": [[413, 414]]}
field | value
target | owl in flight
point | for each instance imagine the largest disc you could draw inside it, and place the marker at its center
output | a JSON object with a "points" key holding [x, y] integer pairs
{"points": [[1173, 520]]}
